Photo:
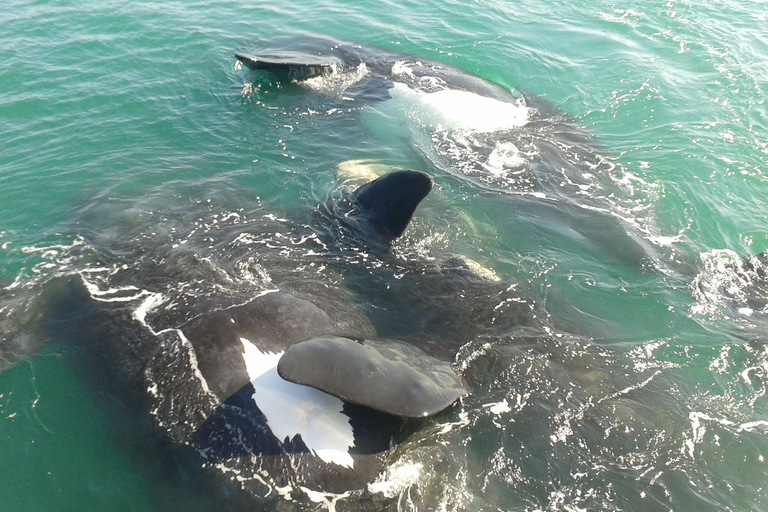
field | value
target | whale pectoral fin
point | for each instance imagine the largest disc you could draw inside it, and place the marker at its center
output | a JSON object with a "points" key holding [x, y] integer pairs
{"points": [[388, 202], [384, 375], [305, 65]]}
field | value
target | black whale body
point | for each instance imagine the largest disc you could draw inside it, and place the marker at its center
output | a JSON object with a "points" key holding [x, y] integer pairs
{"points": [[309, 57], [184, 370]]}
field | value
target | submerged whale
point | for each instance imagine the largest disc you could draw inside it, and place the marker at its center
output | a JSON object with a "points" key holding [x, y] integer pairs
{"points": [[276, 389]]}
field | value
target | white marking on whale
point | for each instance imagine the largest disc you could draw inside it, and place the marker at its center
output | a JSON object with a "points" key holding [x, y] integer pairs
{"points": [[453, 109], [292, 409]]}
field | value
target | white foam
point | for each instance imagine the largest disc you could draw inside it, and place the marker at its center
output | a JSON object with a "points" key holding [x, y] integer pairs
{"points": [[325, 498], [192, 359], [498, 407], [293, 409], [151, 302], [115, 294], [723, 279], [337, 81], [397, 478], [401, 68], [504, 156], [665, 241], [55, 248]]}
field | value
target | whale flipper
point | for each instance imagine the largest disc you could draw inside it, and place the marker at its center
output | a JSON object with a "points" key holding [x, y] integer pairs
{"points": [[388, 202], [300, 64], [384, 375]]}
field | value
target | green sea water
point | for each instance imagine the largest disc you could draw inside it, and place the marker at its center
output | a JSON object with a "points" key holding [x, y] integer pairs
{"points": [[118, 116]]}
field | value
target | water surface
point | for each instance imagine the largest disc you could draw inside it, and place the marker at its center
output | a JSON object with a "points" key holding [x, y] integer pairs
{"points": [[128, 132]]}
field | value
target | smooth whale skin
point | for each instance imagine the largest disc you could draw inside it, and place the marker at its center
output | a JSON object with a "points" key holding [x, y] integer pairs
{"points": [[388, 376], [387, 203]]}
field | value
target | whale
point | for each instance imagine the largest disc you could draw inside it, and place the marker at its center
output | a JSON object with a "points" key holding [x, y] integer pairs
{"points": [[495, 138], [273, 387]]}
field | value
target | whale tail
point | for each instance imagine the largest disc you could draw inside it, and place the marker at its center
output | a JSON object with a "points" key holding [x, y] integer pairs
{"points": [[388, 202]]}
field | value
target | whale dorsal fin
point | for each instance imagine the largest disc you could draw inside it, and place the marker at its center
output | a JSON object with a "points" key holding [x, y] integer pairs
{"points": [[390, 200], [386, 375]]}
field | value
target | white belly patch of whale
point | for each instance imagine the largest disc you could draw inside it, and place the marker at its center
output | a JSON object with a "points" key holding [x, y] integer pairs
{"points": [[452, 109], [292, 409]]}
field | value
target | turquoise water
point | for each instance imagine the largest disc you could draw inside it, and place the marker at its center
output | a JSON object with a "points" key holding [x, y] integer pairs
{"points": [[128, 129]]}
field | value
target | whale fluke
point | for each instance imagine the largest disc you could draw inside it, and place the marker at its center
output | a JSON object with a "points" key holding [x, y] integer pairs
{"points": [[385, 375], [388, 202]]}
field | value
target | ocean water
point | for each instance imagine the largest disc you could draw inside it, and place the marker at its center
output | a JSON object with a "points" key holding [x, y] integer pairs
{"points": [[622, 222]]}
